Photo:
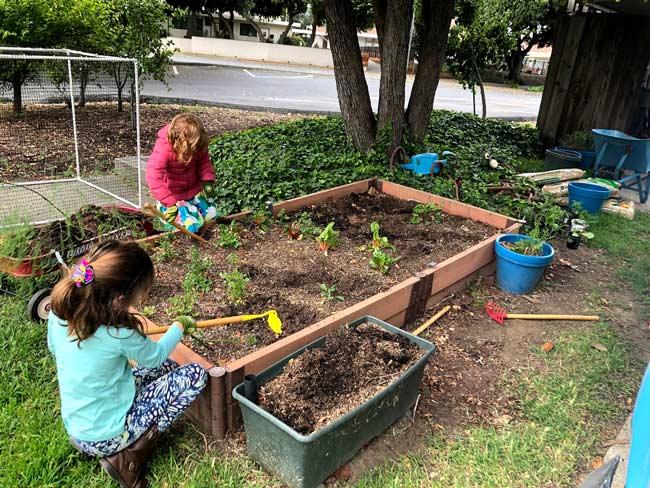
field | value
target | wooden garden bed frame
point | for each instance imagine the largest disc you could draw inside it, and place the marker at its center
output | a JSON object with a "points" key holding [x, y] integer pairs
{"points": [[215, 411]]}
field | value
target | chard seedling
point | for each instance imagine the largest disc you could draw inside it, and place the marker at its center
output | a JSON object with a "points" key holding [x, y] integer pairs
{"points": [[328, 238], [183, 304], [422, 211], [236, 283], [328, 293], [382, 262], [379, 242]]}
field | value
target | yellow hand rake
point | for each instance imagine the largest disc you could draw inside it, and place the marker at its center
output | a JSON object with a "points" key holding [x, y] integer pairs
{"points": [[272, 320]]}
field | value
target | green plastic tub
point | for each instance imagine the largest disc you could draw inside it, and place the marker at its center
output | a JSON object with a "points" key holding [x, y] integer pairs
{"points": [[304, 461]]}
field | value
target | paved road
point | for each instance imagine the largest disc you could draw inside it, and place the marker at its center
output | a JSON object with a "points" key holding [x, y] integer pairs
{"points": [[315, 91]]}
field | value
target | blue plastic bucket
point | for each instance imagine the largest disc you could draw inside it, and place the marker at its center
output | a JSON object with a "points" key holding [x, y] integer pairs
{"points": [[517, 273], [590, 196]]}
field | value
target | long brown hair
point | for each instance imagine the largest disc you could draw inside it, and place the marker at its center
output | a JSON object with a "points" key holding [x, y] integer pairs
{"points": [[188, 136], [123, 275]]}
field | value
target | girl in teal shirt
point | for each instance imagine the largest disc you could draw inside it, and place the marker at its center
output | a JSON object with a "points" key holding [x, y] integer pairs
{"points": [[110, 409]]}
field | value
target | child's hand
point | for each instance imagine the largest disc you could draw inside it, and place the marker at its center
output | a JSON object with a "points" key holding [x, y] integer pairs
{"points": [[208, 189], [170, 213], [187, 322]]}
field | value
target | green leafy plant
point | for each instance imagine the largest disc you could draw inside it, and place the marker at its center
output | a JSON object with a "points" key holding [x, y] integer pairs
{"points": [[424, 211], [197, 279], [328, 293], [579, 140], [183, 304], [232, 259], [579, 229], [228, 236], [148, 311], [303, 225], [382, 261], [328, 238], [236, 284], [165, 250], [379, 242]]}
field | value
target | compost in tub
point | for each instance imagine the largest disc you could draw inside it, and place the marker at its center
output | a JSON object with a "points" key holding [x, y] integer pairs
{"points": [[316, 409]]}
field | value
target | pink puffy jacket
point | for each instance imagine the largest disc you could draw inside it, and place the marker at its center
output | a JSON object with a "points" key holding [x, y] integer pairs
{"points": [[171, 181]]}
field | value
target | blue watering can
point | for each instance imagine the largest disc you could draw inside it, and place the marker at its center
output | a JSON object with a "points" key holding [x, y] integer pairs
{"points": [[427, 163]]}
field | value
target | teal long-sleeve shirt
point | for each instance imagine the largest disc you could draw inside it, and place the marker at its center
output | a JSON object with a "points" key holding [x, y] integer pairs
{"points": [[95, 379]]}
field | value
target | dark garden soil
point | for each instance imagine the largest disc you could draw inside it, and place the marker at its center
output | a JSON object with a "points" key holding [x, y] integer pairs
{"points": [[286, 274], [323, 384], [40, 144], [89, 222]]}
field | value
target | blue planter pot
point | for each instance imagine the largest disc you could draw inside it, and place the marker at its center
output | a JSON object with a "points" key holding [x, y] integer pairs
{"points": [[517, 273], [590, 196]]}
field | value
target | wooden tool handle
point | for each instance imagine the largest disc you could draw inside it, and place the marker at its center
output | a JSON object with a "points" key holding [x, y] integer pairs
{"points": [[526, 316], [157, 213], [428, 323], [201, 324]]}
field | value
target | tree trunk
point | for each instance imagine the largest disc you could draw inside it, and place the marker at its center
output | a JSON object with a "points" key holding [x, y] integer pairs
{"points": [[479, 80], [193, 26], [380, 7], [83, 83], [392, 97], [260, 34], [120, 100], [434, 31], [515, 62], [312, 38], [285, 33], [225, 22], [351, 85], [17, 85]]}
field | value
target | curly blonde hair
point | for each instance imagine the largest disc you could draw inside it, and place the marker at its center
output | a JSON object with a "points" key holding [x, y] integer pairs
{"points": [[188, 136]]}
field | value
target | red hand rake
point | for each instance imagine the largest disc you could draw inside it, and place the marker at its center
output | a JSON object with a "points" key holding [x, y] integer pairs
{"points": [[499, 314]]}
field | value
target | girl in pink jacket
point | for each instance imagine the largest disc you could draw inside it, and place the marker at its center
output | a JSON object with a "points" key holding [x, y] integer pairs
{"points": [[180, 174]]}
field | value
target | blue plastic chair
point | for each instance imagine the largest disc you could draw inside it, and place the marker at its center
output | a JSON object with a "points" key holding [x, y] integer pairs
{"points": [[618, 152]]}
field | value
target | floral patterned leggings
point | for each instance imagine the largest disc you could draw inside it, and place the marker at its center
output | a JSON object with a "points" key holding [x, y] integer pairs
{"points": [[162, 394]]}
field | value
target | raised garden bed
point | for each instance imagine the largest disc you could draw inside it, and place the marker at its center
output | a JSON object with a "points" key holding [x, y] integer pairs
{"points": [[437, 257]]}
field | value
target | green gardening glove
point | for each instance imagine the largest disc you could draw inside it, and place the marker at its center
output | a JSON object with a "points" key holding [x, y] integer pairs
{"points": [[188, 323], [170, 213], [208, 189]]}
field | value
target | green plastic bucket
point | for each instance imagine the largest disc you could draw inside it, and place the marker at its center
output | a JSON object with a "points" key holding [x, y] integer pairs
{"points": [[304, 461]]}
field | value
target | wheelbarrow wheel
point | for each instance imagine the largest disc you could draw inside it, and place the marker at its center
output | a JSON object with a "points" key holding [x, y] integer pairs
{"points": [[38, 307]]}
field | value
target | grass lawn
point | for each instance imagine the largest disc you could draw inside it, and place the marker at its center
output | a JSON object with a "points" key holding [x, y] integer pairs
{"points": [[566, 401]]}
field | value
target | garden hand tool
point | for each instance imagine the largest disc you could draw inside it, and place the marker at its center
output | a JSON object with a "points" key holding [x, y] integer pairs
{"points": [[272, 319], [499, 314], [429, 322], [153, 211]]}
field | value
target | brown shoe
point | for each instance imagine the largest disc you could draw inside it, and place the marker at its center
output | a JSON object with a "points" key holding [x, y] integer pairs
{"points": [[127, 466]]}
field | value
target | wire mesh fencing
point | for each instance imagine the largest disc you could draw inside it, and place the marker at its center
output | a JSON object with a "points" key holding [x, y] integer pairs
{"points": [[69, 134]]}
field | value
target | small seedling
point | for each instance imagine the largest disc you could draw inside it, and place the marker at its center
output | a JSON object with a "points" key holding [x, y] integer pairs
{"points": [[303, 225], [426, 211], [165, 251], [328, 238], [196, 279], [148, 311], [232, 259], [251, 340], [379, 242], [328, 293], [294, 231], [528, 247], [236, 283], [182, 304], [382, 262], [228, 236]]}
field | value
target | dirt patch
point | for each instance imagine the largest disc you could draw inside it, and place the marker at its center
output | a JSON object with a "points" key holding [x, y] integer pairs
{"points": [[286, 274], [323, 384], [39, 143]]}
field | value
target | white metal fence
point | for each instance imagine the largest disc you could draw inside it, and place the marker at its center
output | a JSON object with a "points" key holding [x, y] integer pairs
{"points": [[69, 133]]}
